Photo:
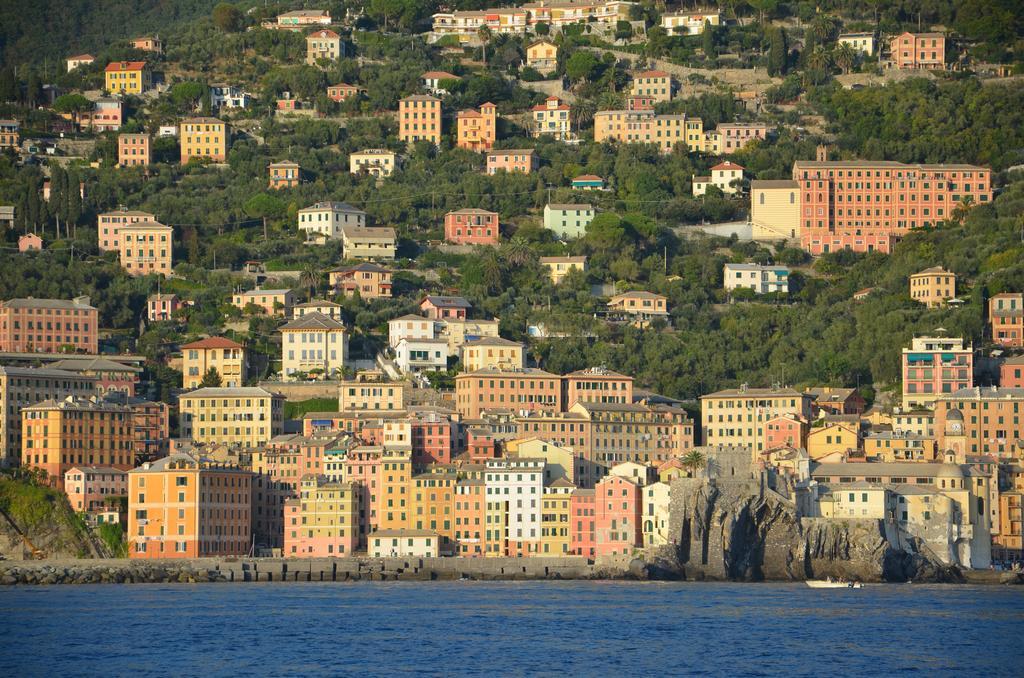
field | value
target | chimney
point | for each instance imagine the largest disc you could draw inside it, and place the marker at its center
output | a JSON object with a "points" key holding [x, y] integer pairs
{"points": [[821, 155]]}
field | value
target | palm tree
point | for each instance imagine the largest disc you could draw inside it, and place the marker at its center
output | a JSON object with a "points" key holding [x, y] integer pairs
{"points": [[693, 460], [845, 57], [517, 252], [818, 65], [484, 33], [493, 275], [581, 113], [310, 277], [824, 27], [961, 209]]}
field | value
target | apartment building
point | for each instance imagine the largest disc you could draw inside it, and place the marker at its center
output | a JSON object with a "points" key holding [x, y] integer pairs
{"points": [[323, 44], [913, 51], [568, 221], [644, 126], [523, 160], [368, 243], [323, 521], [160, 307], [21, 387], [514, 491], [370, 392], [1006, 319], [775, 209], [980, 420], [147, 248], [203, 138], [688, 23], [285, 174], [656, 85], [295, 19], [725, 176], [542, 56], [552, 118], [492, 353], [271, 302], [322, 306], [57, 435], [109, 224], [862, 42], [313, 344], [732, 136], [477, 130], [106, 115], [864, 205], [933, 286], [419, 355], [638, 306], [134, 150], [738, 417], [410, 327], [369, 280], [597, 385], [761, 279], [90, 488], [111, 376], [243, 416], [377, 162], [619, 518], [180, 508], [934, 366], [559, 267], [529, 389], [419, 119], [472, 226], [127, 77], [228, 358], [327, 219], [49, 325]]}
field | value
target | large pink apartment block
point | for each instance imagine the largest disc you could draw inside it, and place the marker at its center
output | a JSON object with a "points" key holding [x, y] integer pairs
{"points": [[471, 227], [619, 514], [108, 227], [49, 325], [582, 527]]}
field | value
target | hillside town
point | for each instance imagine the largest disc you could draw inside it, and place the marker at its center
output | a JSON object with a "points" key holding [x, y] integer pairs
{"points": [[408, 279]]}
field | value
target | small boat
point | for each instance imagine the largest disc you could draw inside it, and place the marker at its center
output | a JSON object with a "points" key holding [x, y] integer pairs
{"points": [[829, 584]]}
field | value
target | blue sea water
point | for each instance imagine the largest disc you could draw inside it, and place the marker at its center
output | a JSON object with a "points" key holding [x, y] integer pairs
{"points": [[502, 628]]}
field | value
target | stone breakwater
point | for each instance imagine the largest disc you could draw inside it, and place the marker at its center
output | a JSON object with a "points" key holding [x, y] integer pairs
{"points": [[320, 570]]}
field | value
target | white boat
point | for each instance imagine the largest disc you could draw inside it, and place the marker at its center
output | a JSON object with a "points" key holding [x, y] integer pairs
{"points": [[827, 584]]}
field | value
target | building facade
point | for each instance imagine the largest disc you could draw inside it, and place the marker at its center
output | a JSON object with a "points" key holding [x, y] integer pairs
{"points": [[49, 325]]}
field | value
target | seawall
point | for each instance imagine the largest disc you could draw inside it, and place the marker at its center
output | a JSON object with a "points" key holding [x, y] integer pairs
{"points": [[317, 569]]}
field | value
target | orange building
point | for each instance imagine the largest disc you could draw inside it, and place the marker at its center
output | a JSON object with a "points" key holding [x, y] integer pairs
{"points": [[597, 385], [146, 248], [639, 305], [419, 119], [933, 286], [1011, 373], [469, 516], [343, 92], [477, 130], [148, 43], [1006, 318], [134, 150], [619, 513], [472, 226], [528, 389], [369, 280], [283, 174], [57, 435], [918, 50], [179, 508], [49, 325]]}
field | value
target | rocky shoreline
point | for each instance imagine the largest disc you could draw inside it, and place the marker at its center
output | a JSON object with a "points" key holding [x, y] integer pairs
{"points": [[354, 570]]}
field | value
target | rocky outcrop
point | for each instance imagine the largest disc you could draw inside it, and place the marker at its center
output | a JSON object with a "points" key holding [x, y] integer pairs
{"points": [[740, 532]]}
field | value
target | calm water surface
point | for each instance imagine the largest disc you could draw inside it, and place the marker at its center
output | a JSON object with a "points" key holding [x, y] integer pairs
{"points": [[551, 628]]}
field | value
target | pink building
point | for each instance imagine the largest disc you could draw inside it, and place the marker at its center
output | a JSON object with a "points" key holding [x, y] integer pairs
{"points": [[582, 519], [472, 227], [162, 306], [323, 522], [433, 437], [106, 116], [445, 308], [912, 51], [523, 160], [736, 135], [935, 366], [619, 511], [89, 487], [108, 227], [785, 431], [864, 205], [362, 466], [1011, 373], [481, 444], [49, 325], [30, 241]]}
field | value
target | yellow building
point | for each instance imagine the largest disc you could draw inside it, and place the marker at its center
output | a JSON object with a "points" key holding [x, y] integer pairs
{"points": [[830, 439], [179, 508], [933, 286], [559, 267], [323, 521], [559, 462], [246, 416], [656, 514], [146, 248], [228, 358], [492, 353], [370, 392], [127, 77], [552, 117], [433, 500], [459, 331], [203, 138], [393, 498], [892, 446], [656, 86], [738, 416], [646, 127], [542, 56], [555, 534], [775, 209], [272, 302]]}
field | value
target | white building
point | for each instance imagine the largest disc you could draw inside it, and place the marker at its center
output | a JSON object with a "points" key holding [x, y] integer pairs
{"points": [[419, 355], [656, 514], [761, 279], [403, 544], [568, 221], [327, 219], [688, 23], [410, 327], [723, 175], [313, 343], [862, 42], [514, 490], [377, 162], [228, 96]]}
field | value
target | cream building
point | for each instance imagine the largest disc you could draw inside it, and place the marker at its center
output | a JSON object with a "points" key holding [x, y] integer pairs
{"points": [[247, 416], [493, 353], [404, 544], [775, 210], [862, 42], [738, 416], [146, 248], [410, 327], [655, 499], [559, 267], [370, 392], [368, 243], [688, 23], [377, 162], [542, 56], [313, 344], [323, 44], [760, 279], [227, 357], [932, 286], [327, 219], [459, 331], [723, 175]]}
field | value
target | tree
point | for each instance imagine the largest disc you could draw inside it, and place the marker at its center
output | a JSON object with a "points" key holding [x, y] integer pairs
{"points": [[484, 33], [310, 277], [707, 44], [211, 379], [582, 65], [693, 460], [824, 28], [581, 113], [517, 252], [845, 57], [187, 94], [542, 28], [75, 104], [228, 18], [777, 52], [763, 8], [8, 85]]}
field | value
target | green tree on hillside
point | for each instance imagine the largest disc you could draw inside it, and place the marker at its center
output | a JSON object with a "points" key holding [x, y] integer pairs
{"points": [[211, 379]]}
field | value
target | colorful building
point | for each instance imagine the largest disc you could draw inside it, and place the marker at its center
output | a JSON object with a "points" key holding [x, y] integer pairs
{"points": [[49, 325], [523, 160], [1006, 319], [313, 344], [285, 174], [134, 150], [372, 393], [368, 280], [109, 224], [203, 138], [93, 488], [552, 118], [725, 177], [127, 77], [619, 516], [568, 221], [244, 416], [738, 417], [419, 119], [493, 353], [377, 162], [528, 389], [323, 521], [638, 306], [439, 307], [559, 267], [323, 44], [228, 358], [935, 366], [272, 302], [542, 56], [328, 219], [933, 286], [642, 125], [147, 248], [472, 226], [655, 85], [760, 279], [911, 51], [368, 243], [477, 130]]}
